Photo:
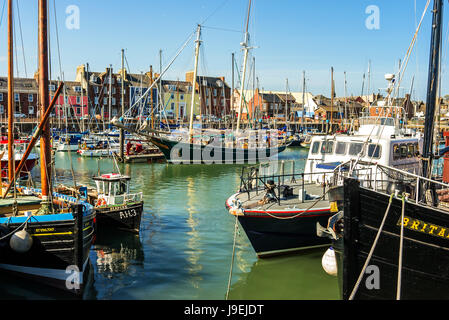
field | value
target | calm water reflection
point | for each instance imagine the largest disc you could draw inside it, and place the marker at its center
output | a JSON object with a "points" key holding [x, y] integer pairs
{"points": [[185, 244]]}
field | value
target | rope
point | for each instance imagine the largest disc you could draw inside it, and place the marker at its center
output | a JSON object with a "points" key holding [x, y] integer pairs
{"points": [[356, 287], [14, 231], [398, 290], [232, 260], [298, 214]]}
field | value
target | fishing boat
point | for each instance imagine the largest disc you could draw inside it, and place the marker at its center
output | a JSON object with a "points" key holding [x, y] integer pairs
{"points": [[279, 212], [277, 216], [115, 206], [389, 232], [45, 236], [20, 146]]}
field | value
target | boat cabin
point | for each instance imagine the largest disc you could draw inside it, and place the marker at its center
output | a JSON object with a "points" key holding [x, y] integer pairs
{"points": [[112, 189], [378, 139]]}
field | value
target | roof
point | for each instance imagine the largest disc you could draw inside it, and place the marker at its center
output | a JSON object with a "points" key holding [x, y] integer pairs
{"points": [[112, 177]]}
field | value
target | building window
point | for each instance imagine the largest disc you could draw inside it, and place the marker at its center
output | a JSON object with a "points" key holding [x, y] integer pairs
{"points": [[78, 100], [172, 107], [113, 90], [105, 100], [172, 96], [96, 100], [2, 108], [1, 96], [77, 89], [96, 89], [30, 109], [181, 97], [52, 87], [113, 101], [215, 92], [16, 97], [30, 98]]}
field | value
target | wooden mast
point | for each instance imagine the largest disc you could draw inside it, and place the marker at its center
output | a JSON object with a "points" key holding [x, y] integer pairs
{"points": [[10, 94], [45, 149]]}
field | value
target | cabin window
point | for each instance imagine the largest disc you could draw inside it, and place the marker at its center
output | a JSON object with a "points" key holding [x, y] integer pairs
{"points": [[315, 147], [403, 151], [341, 148], [396, 152], [410, 150], [355, 148], [327, 147], [374, 151]]}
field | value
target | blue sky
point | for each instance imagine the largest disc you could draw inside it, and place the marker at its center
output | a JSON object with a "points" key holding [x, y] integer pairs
{"points": [[289, 35]]}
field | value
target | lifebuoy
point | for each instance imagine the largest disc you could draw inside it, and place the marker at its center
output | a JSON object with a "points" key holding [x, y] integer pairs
{"points": [[101, 202]]}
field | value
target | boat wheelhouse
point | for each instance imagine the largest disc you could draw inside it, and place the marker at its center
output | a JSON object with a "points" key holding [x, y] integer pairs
{"points": [[379, 139]]}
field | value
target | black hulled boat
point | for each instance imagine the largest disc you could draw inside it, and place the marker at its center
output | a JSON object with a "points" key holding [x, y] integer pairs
{"points": [[391, 237]]}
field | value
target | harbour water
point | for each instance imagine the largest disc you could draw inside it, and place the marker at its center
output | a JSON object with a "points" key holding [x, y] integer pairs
{"points": [[185, 245]]}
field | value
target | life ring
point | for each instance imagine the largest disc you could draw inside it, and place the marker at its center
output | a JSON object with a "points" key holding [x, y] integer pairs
{"points": [[101, 202]]}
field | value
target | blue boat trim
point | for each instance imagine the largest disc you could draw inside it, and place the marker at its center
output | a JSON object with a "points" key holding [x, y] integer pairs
{"points": [[88, 210]]}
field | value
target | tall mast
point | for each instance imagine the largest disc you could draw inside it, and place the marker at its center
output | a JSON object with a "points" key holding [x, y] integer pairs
{"points": [[45, 149], [151, 98], [10, 94], [87, 89], [303, 99], [432, 87], [346, 102], [195, 71], [232, 89], [110, 95], [332, 98], [122, 133], [245, 47], [82, 107], [286, 105]]}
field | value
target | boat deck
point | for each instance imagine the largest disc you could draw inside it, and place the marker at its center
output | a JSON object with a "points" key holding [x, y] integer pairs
{"points": [[313, 199], [25, 203]]}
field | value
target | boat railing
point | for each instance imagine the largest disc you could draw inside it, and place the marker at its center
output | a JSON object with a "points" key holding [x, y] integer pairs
{"points": [[390, 180], [253, 183]]}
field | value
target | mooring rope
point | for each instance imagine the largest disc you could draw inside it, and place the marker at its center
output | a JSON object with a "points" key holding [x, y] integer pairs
{"points": [[232, 260], [356, 287]]}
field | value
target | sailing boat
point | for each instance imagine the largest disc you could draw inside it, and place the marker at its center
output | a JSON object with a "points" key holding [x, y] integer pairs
{"points": [[225, 146], [396, 221], [44, 236]]}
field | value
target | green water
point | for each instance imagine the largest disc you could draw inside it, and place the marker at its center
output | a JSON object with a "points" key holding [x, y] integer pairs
{"points": [[185, 246]]}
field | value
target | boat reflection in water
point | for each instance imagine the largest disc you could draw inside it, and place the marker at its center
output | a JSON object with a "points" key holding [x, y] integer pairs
{"points": [[116, 252], [267, 279]]}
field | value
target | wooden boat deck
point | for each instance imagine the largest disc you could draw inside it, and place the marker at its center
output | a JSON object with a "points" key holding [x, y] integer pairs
{"points": [[24, 203]]}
